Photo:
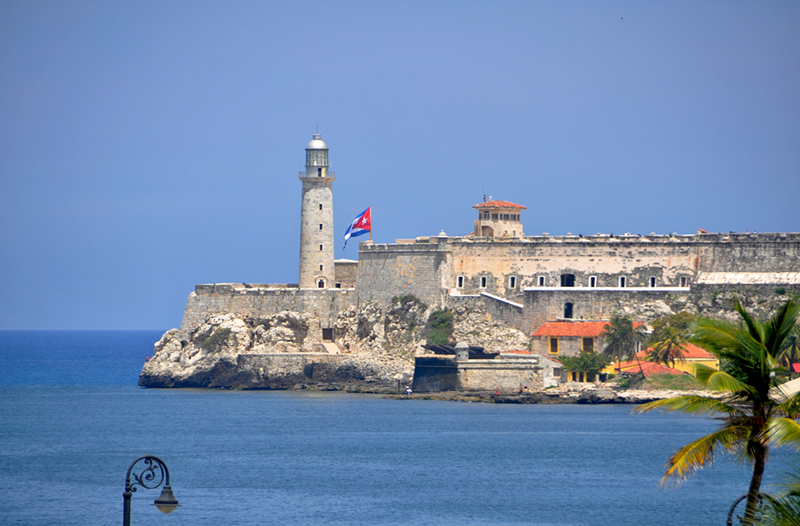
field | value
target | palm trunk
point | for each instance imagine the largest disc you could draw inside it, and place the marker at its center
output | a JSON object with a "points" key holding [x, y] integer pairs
{"points": [[755, 485]]}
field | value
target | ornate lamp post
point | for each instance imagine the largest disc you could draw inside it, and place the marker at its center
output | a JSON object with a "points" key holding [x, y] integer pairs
{"points": [[150, 474]]}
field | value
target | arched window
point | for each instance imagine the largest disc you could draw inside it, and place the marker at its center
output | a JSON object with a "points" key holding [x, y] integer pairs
{"points": [[321, 284], [592, 281], [623, 281], [568, 310], [567, 280]]}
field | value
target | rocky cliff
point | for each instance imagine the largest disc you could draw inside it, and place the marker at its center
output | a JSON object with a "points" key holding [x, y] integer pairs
{"points": [[374, 349]]}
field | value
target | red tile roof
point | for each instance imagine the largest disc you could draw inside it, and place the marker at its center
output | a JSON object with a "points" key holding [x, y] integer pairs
{"points": [[586, 329], [649, 368], [690, 352], [499, 204], [796, 367]]}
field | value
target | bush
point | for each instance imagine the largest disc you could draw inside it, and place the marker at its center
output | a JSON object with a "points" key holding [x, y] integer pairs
{"points": [[588, 362], [440, 327], [217, 339]]}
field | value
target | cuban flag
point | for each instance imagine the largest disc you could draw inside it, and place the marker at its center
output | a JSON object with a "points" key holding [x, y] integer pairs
{"points": [[360, 225]]}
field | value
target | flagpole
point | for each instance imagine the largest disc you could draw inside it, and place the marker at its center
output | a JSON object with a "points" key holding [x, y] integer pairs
{"points": [[370, 224]]}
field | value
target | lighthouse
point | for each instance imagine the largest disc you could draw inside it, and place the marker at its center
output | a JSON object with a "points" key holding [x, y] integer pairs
{"points": [[316, 219]]}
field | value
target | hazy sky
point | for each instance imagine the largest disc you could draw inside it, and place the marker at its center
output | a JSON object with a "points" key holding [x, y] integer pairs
{"points": [[149, 146]]}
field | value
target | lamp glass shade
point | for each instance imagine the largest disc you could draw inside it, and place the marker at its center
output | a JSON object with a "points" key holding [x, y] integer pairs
{"points": [[166, 502]]}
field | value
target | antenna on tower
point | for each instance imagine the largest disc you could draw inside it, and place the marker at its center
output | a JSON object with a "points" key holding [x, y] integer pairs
{"points": [[483, 188], [317, 128]]}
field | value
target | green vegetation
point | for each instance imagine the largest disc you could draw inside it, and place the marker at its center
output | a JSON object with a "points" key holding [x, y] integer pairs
{"points": [[680, 324], [588, 362], [440, 327], [669, 349], [622, 340], [405, 299], [783, 509], [217, 339], [753, 421], [673, 382], [780, 290]]}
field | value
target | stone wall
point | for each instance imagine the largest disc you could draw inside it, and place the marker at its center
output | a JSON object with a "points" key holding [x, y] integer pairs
{"points": [[346, 272], [247, 300], [387, 271]]}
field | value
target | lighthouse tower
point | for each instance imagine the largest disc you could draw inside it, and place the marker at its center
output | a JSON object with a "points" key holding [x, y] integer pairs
{"points": [[316, 219]]}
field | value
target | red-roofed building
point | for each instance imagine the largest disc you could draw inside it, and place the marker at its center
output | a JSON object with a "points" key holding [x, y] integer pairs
{"points": [[498, 219], [570, 338], [692, 354], [648, 368]]}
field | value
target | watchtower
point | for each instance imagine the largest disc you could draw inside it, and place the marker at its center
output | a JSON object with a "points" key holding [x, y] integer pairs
{"points": [[316, 219]]}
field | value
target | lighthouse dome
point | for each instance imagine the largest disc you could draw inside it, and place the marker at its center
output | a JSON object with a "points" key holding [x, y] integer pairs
{"points": [[316, 143]]}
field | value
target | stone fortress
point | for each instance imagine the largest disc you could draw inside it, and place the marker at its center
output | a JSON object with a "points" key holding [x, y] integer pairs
{"points": [[364, 319]]}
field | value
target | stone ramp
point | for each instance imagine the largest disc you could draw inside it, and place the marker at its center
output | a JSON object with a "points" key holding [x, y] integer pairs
{"points": [[327, 347]]}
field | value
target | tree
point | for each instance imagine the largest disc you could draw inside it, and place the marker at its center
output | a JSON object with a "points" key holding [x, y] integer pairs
{"points": [[622, 340], [588, 362], [755, 415], [682, 323], [784, 510], [790, 353], [669, 349]]}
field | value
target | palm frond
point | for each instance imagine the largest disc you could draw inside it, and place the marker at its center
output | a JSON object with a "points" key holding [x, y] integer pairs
{"points": [[791, 406], [699, 453], [717, 380], [780, 327], [782, 431], [694, 404]]}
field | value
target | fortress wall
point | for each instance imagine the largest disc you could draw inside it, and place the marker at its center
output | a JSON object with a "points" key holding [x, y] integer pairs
{"points": [[547, 304], [254, 301], [753, 253], [638, 258], [346, 273], [385, 271], [606, 260]]}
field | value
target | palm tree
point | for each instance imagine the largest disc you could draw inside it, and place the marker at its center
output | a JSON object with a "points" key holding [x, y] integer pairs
{"points": [[755, 414], [785, 509], [790, 354], [622, 339], [669, 349]]}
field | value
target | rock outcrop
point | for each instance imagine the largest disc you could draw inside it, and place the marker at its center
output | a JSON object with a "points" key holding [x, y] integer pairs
{"points": [[374, 349]]}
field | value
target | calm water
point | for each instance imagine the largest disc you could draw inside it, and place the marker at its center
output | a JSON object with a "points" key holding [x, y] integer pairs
{"points": [[72, 419]]}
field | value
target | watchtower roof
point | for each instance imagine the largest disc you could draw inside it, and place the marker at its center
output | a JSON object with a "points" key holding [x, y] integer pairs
{"points": [[499, 204]]}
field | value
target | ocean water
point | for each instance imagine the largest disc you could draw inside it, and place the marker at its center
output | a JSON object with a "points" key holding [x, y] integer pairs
{"points": [[72, 419]]}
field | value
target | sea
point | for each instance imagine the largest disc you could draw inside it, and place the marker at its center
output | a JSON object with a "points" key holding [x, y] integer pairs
{"points": [[72, 419]]}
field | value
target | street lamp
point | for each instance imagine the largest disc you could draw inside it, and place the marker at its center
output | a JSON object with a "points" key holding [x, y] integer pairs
{"points": [[150, 474]]}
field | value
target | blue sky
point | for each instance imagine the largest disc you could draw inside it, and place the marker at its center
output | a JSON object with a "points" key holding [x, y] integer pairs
{"points": [[149, 146]]}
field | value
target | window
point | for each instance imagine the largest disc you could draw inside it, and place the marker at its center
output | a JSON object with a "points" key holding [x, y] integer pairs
{"points": [[505, 217], [587, 344], [460, 282], [568, 310], [327, 335], [553, 345], [494, 217], [321, 284], [320, 268], [567, 280], [483, 282], [622, 281], [338, 285], [320, 248], [684, 281], [320, 226], [592, 281], [320, 206], [541, 281], [652, 281], [513, 217], [486, 215], [512, 282]]}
